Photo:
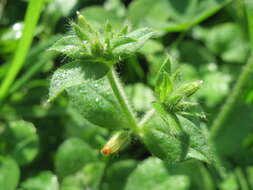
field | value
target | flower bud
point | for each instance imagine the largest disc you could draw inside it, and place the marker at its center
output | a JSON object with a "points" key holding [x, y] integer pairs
{"points": [[183, 91], [116, 143], [190, 88], [84, 24]]}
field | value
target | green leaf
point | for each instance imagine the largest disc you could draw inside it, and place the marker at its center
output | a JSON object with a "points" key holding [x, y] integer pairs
{"points": [[74, 74], [72, 155], [69, 45], [117, 174], [200, 177], [62, 6], [77, 126], [43, 181], [148, 12], [194, 53], [174, 138], [215, 88], [152, 47], [187, 13], [88, 177], [93, 99], [164, 86], [140, 35], [230, 135], [164, 139], [200, 148], [97, 103], [230, 182], [152, 174], [9, 173], [122, 40], [164, 83], [23, 141], [99, 15], [228, 41]]}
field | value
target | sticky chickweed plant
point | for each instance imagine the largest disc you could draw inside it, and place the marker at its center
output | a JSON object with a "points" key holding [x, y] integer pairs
{"points": [[94, 89]]}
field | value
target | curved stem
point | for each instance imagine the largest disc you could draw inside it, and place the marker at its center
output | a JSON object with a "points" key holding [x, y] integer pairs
{"points": [[230, 102], [120, 95]]}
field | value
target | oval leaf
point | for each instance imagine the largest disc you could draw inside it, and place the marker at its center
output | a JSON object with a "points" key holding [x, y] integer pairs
{"points": [[23, 141], [9, 173], [43, 181], [152, 174], [73, 74], [162, 140], [72, 155]]}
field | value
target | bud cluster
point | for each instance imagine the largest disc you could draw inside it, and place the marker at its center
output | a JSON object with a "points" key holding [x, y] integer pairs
{"points": [[106, 46], [171, 95]]}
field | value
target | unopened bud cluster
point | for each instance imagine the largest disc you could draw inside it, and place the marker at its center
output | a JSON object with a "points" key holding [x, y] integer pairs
{"points": [[101, 45], [173, 96]]}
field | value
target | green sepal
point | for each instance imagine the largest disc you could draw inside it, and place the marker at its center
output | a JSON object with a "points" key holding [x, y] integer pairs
{"points": [[141, 36], [81, 34], [183, 91], [164, 82], [164, 86], [122, 40]]}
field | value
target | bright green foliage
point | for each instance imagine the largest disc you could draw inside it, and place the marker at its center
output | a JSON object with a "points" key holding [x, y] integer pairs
{"points": [[85, 178], [165, 140], [71, 156], [99, 100], [9, 173], [181, 138], [225, 39], [74, 74], [152, 174], [117, 173], [96, 104], [93, 98], [23, 142], [43, 181]]}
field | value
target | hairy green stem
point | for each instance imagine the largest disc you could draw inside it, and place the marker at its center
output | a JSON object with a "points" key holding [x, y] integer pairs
{"points": [[31, 19], [234, 96], [120, 95]]}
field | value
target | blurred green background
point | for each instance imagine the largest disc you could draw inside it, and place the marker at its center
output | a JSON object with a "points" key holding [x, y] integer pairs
{"points": [[51, 147]]}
